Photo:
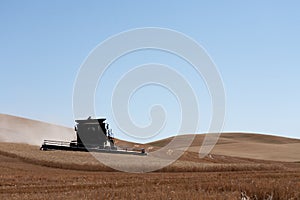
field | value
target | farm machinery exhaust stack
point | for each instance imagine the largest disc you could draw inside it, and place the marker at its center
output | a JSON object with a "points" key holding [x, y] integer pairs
{"points": [[91, 135]]}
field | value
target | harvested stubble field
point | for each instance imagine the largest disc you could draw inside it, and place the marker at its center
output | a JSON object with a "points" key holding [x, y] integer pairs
{"points": [[264, 167], [27, 173]]}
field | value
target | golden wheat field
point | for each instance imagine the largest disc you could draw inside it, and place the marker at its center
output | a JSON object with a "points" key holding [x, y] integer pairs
{"points": [[258, 166]]}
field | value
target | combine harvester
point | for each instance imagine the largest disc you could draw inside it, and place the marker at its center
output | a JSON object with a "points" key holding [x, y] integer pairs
{"points": [[92, 135]]}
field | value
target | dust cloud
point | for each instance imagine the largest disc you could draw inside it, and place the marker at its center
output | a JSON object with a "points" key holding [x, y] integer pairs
{"points": [[20, 130]]}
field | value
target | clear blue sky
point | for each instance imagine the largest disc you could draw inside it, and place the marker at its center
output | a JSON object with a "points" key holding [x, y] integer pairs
{"points": [[255, 44]]}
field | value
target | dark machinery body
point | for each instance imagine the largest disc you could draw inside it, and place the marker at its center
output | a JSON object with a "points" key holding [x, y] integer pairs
{"points": [[91, 135]]}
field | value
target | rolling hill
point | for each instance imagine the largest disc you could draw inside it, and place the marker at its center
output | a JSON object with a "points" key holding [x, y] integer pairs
{"points": [[243, 145]]}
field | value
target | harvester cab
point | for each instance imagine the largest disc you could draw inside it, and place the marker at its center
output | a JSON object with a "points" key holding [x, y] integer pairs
{"points": [[93, 133]]}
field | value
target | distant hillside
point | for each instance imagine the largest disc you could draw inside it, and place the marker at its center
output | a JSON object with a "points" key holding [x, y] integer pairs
{"points": [[248, 145], [244, 145]]}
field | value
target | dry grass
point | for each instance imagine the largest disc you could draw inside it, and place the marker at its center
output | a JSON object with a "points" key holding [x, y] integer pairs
{"points": [[21, 180], [25, 177], [86, 162]]}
